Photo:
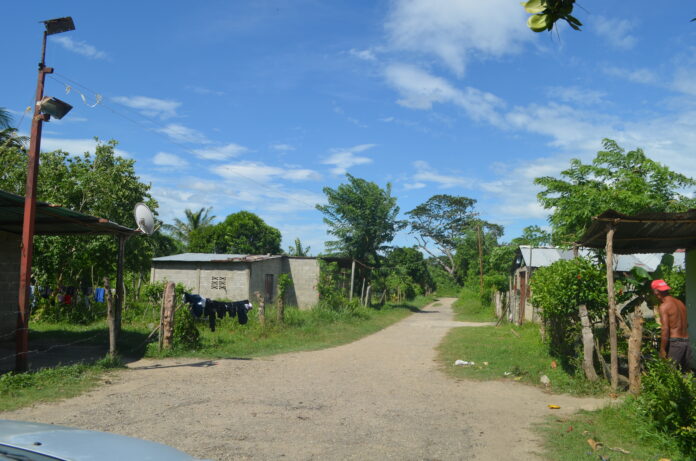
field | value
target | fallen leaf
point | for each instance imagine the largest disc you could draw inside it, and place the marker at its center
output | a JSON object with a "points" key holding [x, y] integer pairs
{"points": [[585, 432], [594, 444], [554, 407], [553, 364], [620, 450], [665, 459]]}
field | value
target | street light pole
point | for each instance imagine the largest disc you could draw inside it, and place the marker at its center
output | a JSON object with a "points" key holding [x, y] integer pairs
{"points": [[53, 26]]}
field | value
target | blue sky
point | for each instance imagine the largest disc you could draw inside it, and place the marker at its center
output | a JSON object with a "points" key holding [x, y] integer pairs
{"points": [[258, 105]]}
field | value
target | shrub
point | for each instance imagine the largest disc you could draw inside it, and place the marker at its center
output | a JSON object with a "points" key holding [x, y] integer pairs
{"points": [[668, 400], [49, 310], [186, 334], [558, 290]]}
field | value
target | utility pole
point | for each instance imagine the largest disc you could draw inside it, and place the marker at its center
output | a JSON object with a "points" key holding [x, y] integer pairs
{"points": [[53, 26]]}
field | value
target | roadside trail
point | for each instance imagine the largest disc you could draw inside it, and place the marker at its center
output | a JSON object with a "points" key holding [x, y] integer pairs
{"points": [[381, 397]]}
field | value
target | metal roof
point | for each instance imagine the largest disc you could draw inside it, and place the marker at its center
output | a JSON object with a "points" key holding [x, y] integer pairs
{"points": [[214, 257], [545, 256], [643, 233], [53, 219]]}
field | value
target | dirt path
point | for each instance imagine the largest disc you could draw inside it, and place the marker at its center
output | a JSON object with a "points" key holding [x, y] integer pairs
{"points": [[378, 398]]}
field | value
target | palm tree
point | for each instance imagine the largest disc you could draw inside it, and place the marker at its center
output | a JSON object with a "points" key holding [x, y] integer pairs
{"points": [[298, 250], [181, 230], [5, 118]]}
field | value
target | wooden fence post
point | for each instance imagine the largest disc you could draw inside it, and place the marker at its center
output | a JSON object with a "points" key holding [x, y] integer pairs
{"points": [[110, 317], [635, 342], [262, 308], [587, 345], [167, 331], [367, 296], [352, 280], [614, 363]]}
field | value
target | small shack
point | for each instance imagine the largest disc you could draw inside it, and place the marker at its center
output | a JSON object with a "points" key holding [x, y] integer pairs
{"points": [[518, 306], [237, 277], [650, 232], [50, 220]]}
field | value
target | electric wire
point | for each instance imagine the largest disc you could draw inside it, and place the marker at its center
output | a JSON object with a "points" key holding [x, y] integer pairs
{"points": [[67, 81]]}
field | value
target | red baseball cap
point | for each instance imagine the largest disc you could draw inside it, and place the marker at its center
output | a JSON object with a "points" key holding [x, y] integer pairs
{"points": [[659, 285]]}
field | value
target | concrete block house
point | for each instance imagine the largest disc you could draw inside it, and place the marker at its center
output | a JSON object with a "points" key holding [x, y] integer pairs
{"points": [[237, 277]]}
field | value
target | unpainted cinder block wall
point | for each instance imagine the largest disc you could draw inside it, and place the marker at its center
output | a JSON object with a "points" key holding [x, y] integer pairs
{"points": [[198, 278], [305, 278], [257, 282], [9, 284]]}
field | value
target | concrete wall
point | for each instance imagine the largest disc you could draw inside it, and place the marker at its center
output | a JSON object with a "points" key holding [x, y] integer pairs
{"points": [[259, 270], [232, 279], [691, 300], [305, 277], [242, 279], [9, 284]]}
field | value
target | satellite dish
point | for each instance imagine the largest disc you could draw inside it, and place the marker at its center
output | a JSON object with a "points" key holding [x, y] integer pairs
{"points": [[144, 218]]}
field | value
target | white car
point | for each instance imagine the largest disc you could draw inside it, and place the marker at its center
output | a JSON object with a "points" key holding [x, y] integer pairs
{"points": [[20, 440]]}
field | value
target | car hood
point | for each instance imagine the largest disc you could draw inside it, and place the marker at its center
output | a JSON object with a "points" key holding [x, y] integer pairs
{"points": [[82, 445]]}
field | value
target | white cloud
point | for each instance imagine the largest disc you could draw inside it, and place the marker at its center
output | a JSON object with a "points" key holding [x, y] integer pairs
{"points": [[420, 90], [344, 158], [165, 159], [425, 174], [151, 107], [684, 81], [75, 146], [262, 173], [415, 185], [181, 133], [221, 152], [282, 147], [79, 47], [615, 32], [453, 30], [645, 76], [577, 95], [205, 91], [365, 55]]}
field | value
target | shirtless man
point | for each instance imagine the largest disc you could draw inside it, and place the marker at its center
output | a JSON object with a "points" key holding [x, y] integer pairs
{"points": [[674, 343]]}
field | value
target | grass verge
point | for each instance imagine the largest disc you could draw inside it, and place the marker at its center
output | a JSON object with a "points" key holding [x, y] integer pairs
{"points": [[618, 428], [49, 384], [468, 308], [511, 353]]}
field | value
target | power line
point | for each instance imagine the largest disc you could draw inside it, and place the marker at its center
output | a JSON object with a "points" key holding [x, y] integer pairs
{"points": [[69, 81]]}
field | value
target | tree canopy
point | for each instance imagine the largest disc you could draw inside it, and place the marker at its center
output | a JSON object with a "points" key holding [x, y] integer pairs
{"points": [[442, 220], [103, 185], [240, 233], [181, 230], [628, 182], [363, 218]]}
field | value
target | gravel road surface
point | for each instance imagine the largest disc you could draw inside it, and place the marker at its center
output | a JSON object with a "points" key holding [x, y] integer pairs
{"points": [[379, 398]]}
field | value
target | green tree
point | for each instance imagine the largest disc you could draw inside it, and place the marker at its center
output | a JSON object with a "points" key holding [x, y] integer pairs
{"points": [[240, 233], [298, 250], [363, 218], [5, 118], [442, 220], [532, 235], [181, 230], [410, 262], [628, 182], [103, 185]]}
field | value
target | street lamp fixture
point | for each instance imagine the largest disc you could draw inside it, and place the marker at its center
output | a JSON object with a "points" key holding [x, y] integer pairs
{"points": [[43, 109]]}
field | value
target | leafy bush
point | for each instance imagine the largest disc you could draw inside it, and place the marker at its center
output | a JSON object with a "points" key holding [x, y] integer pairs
{"points": [[668, 400], [153, 292], [186, 334], [558, 290], [48, 310]]}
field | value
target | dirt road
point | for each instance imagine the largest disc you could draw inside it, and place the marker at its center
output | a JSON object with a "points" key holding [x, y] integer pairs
{"points": [[382, 397]]}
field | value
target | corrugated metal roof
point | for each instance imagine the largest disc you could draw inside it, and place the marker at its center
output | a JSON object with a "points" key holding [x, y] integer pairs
{"points": [[213, 257], [53, 219], [643, 233], [545, 256]]}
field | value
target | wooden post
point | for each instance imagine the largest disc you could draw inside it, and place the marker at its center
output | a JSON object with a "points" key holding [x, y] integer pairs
{"points": [[262, 308], [352, 279], [614, 363], [110, 317], [281, 309], [161, 324], [367, 296], [587, 345], [635, 342], [362, 292], [119, 282], [167, 331]]}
